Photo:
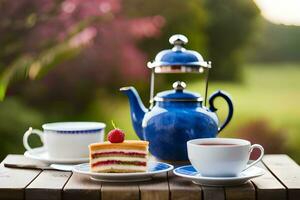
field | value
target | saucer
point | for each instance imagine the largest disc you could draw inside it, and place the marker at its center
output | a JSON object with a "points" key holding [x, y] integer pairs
{"points": [[154, 168], [42, 155], [189, 172]]}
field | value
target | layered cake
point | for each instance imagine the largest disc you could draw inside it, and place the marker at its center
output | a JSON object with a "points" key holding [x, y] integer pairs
{"points": [[118, 155]]}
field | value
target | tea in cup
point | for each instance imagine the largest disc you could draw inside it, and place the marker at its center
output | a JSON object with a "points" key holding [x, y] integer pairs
{"points": [[67, 140], [221, 157]]}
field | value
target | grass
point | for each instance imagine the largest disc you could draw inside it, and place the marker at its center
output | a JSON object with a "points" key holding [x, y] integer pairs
{"points": [[269, 92]]}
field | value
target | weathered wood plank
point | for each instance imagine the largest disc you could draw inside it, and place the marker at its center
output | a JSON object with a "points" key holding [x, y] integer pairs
{"points": [[120, 191], [48, 185], [240, 192], [183, 189], [81, 187], [14, 181], [268, 187], [287, 171], [213, 193], [20, 159], [157, 188]]}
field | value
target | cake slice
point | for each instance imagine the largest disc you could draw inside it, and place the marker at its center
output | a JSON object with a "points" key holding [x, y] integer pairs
{"points": [[124, 157]]}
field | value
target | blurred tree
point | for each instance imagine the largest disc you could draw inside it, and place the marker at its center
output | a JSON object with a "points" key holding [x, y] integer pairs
{"points": [[277, 43], [185, 17], [231, 25], [261, 132], [38, 35]]}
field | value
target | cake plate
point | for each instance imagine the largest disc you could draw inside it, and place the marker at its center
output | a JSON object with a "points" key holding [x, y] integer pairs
{"points": [[154, 168]]}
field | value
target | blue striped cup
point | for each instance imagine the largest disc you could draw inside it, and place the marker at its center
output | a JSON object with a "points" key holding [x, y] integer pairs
{"points": [[67, 140]]}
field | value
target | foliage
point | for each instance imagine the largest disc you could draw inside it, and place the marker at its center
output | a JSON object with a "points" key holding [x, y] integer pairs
{"points": [[185, 17], [261, 132], [15, 117], [231, 25], [277, 43], [37, 35]]}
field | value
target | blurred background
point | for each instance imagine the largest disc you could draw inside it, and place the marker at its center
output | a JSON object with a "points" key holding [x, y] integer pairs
{"points": [[65, 60]]}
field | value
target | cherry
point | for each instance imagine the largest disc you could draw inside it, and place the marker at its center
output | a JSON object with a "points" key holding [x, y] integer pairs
{"points": [[116, 136]]}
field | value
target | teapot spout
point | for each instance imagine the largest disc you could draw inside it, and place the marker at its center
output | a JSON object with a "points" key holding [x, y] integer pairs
{"points": [[137, 109]]}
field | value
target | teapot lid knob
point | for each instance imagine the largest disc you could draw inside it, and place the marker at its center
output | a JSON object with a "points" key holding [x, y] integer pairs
{"points": [[179, 85], [178, 39]]}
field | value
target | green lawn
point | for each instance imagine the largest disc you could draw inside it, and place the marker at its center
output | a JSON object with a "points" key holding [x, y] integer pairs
{"points": [[269, 92]]}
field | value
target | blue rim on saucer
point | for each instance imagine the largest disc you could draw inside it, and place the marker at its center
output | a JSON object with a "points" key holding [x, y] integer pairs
{"points": [[154, 168], [189, 172]]}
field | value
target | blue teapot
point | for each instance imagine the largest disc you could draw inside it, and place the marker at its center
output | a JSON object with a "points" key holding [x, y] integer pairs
{"points": [[175, 116]]}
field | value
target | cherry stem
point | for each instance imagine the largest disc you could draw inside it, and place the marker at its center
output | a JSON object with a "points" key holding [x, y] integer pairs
{"points": [[112, 122]]}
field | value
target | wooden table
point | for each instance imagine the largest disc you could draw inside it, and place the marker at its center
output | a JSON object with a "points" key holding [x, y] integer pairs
{"points": [[282, 181]]}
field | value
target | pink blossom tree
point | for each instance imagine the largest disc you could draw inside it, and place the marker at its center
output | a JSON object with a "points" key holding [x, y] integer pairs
{"points": [[92, 42]]}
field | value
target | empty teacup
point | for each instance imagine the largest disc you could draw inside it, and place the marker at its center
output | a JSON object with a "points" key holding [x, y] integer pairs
{"points": [[221, 157], [67, 140]]}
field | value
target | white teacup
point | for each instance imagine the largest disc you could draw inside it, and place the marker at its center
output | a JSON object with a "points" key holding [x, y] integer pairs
{"points": [[67, 140], [221, 157]]}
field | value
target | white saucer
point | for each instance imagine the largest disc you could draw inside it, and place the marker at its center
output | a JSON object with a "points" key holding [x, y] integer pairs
{"points": [[154, 168], [41, 155], [189, 172]]}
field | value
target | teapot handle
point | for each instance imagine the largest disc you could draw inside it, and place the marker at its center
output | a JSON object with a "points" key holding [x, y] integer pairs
{"points": [[212, 108]]}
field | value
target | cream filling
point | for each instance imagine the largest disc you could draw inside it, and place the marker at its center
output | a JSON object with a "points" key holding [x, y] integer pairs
{"points": [[120, 150], [122, 167], [95, 160]]}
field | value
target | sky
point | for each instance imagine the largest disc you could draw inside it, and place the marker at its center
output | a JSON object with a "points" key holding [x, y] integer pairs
{"points": [[285, 12]]}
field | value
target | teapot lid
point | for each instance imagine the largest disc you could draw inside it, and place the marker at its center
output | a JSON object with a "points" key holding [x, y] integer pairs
{"points": [[178, 59], [178, 94]]}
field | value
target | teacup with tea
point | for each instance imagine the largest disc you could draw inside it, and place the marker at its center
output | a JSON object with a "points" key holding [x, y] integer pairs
{"points": [[221, 157]]}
